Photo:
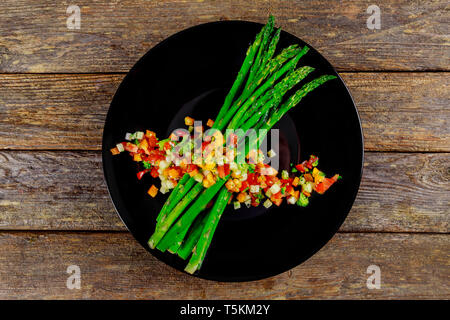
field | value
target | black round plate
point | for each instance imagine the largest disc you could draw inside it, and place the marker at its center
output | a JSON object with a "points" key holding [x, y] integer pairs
{"points": [[190, 74]]}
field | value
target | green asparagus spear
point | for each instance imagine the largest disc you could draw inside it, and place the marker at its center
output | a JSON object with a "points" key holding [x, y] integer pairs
{"points": [[270, 51], [182, 225], [164, 224], [263, 88], [295, 99], [273, 98], [270, 68], [267, 30], [194, 234], [172, 200], [248, 61], [204, 242]]}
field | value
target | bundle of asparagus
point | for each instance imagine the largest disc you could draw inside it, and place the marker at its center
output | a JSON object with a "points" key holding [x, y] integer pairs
{"points": [[182, 226]]}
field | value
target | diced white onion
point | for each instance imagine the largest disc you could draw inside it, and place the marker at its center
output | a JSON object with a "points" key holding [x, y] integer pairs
{"points": [[129, 136], [292, 200], [307, 187], [254, 189], [267, 203], [237, 205], [119, 147], [275, 188], [163, 164], [139, 135]]}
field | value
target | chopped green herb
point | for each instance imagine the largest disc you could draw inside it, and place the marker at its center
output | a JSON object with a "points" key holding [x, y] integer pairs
{"points": [[147, 165]]}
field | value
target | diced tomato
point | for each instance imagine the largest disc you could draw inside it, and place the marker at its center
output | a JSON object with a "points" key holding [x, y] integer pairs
{"points": [[277, 202], [156, 155], [270, 180], [278, 195], [221, 171], [252, 179], [307, 164], [154, 172], [325, 184], [226, 167], [290, 190], [300, 168], [140, 174], [152, 141], [312, 159], [167, 146], [244, 185], [130, 147], [204, 144]]}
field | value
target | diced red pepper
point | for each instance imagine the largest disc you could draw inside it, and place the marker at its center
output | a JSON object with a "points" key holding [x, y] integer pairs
{"points": [[152, 141], [140, 174], [191, 167], [156, 155], [326, 184], [154, 172], [300, 168], [130, 147], [244, 186], [277, 202], [167, 146], [221, 171], [252, 179], [307, 164], [226, 167], [278, 195]]}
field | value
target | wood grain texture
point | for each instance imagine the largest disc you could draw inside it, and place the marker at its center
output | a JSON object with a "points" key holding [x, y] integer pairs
{"points": [[399, 111], [65, 191], [114, 266], [114, 34]]}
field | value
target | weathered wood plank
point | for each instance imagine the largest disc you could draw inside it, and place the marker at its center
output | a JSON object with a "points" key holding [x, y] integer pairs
{"points": [[114, 266], [399, 111], [114, 34], [66, 191]]}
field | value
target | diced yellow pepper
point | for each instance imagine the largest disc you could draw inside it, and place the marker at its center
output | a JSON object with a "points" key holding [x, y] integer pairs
{"points": [[189, 121], [153, 191], [137, 157]]}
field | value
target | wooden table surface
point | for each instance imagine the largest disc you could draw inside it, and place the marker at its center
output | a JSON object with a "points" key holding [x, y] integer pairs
{"points": [[55, 88]]}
